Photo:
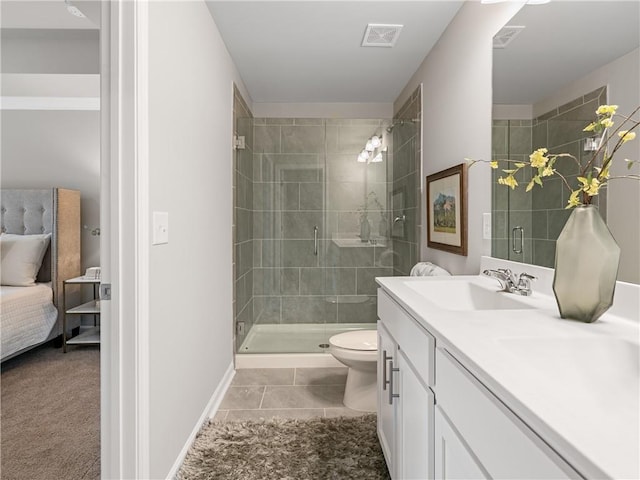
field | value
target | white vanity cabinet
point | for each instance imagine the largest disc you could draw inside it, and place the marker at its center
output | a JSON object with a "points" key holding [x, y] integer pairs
{"points": [[436, 420], [405, 401]]}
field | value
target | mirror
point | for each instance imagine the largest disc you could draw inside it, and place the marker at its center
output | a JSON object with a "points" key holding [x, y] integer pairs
{"points": [[548, 80]]}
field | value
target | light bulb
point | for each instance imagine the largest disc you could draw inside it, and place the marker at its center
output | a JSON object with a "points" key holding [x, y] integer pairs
{"points": [[363, 157], [375, 141], [377, 158], [369, 146]]}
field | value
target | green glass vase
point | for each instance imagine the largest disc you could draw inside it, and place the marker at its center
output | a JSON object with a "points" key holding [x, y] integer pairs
{"points": [[586, 267]]}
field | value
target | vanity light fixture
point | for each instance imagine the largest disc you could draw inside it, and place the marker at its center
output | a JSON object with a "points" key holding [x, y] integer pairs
{"points": [[373, 150]]}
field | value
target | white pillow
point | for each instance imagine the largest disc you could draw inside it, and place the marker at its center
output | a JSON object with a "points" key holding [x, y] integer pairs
{"points": [[21, 258]]}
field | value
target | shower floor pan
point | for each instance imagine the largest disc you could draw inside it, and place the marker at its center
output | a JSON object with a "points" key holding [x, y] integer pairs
{"points": [[296, 338]]}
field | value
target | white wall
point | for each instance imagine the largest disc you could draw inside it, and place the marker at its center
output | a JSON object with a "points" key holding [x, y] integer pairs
{"points": [[622, 76], [457, 102], [190, 132], [50, 51], [46, 149], [322, 110], [53, 148]]}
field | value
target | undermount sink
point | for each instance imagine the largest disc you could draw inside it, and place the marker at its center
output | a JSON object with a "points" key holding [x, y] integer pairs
{"points": [[467, 295]]}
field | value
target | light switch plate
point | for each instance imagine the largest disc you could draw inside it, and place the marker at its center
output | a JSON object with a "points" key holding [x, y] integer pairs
{"points": [[160, 228], [486, 226]]}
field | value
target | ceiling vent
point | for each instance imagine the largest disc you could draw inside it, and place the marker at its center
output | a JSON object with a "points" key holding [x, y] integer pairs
{"points": [[379, 35], [505, 36]]}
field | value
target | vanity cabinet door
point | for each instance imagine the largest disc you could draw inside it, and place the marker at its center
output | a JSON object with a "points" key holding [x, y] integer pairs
{"points": [[506, 447], [386, 409], [453, 460], [415, 423]]}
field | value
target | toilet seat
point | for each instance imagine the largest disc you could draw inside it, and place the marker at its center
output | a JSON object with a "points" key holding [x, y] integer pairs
{"points": [[357, 340]]}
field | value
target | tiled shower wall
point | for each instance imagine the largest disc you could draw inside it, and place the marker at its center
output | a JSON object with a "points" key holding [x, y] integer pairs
{"points": [[306, 175], [405, 190], [243, 242], [541, 212]]}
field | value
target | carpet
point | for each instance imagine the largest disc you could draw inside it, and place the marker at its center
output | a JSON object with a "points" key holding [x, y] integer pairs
{"points": [[340, 448], [51, 414]]}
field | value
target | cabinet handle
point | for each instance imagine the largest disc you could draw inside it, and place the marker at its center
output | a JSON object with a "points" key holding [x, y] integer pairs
{"points": [[391, 394], [385, 359]]}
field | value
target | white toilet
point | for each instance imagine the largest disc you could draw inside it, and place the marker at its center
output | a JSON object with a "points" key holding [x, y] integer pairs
{"points": [[358, 350]]}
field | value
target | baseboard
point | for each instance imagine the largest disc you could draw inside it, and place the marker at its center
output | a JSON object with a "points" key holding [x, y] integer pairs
{"points": [[208, 412], [286, 360]]}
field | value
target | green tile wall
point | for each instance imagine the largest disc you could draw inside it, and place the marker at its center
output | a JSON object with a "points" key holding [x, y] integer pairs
{"points": [[305, 174], [405, 173], [541, 212], [244, 247]]}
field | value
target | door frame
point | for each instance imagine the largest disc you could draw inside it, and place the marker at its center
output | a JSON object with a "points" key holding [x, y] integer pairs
{"points": [[124, 244]]}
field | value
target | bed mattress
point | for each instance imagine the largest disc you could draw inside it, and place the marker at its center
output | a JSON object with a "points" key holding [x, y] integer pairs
{"points": [[27, 315]]}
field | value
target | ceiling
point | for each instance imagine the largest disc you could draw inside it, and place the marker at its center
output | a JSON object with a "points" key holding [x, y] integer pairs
{"points": [[562, 42], [309, 51]]}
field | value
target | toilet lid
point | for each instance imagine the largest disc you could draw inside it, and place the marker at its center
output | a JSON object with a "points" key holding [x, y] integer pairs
{"points": [[356, 340]]}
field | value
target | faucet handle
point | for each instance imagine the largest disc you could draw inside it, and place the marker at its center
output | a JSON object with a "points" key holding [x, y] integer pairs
{"points": [[528, 276], [524, 283]]}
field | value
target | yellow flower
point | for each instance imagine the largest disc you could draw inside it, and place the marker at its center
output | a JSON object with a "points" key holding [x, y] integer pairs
{"points": [[548, 171], [606, 122], [590, 185], [573, 199], [626, 135], [509, 181], [538, 159], [606, 109], [494, 164]]}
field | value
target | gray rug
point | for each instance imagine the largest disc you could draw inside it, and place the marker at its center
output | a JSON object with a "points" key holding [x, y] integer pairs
{"points": [[320, 448]]}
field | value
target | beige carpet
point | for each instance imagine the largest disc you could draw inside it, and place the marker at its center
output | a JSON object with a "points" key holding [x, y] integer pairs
{"points": [[340, 448], [50, 423]]}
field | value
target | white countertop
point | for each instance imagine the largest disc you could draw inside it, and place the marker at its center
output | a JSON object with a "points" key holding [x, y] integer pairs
{"points": [[592, 420]]}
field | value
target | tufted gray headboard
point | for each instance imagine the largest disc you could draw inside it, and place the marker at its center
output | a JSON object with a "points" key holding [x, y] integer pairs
{"points": [[55, 211]]}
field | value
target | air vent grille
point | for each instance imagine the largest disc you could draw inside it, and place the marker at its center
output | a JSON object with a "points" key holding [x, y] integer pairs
{"points": [[380, 35], [505, 36]]}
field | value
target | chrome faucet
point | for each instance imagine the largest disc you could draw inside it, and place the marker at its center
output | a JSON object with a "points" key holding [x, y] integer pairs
{"points": [[520, 285]]}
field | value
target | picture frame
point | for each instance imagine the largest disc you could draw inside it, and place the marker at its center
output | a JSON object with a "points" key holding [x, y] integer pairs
{"points": [[447, 210]]}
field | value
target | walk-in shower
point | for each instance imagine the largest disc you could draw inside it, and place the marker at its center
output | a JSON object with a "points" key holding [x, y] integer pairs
{"points": [[314, 203]]}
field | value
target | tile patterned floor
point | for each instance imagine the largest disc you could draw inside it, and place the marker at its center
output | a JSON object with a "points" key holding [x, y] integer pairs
{"points": [[264, 393]]}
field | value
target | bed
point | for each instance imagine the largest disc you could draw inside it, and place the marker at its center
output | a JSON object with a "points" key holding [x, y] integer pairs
{"points": [[32, 315]]}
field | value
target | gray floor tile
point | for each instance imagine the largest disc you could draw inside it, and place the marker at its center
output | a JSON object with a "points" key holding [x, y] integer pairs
{"points": [[220, 415], [323, 396], [240, 398], [321, 376], [343, 412], [263, 376], [267, 414]]}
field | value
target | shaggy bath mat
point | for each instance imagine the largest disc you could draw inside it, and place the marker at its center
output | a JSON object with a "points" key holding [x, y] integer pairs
{"points": [[320, 448]]}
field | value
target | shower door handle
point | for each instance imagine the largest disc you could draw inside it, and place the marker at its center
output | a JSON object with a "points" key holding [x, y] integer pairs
{"points": [[315, 240], [517, 250]]}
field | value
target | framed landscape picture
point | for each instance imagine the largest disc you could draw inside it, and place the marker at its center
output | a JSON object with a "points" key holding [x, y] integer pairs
{"points": [[447, 210]]}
